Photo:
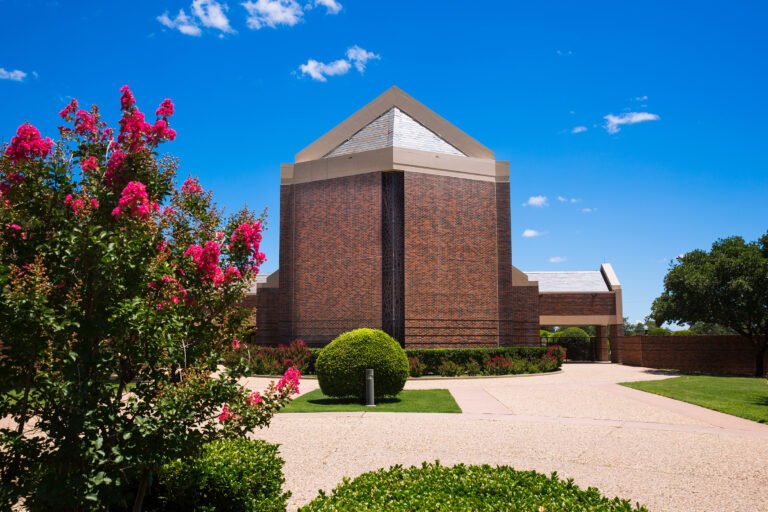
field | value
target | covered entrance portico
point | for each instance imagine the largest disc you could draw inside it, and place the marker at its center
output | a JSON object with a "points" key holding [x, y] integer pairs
{"points": [[580, 299]]}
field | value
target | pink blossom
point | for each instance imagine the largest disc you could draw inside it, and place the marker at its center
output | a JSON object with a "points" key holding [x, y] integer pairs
{"points": [[159, 306], [161, 132], [248, 237], [114, 166], [85, 123], [15, 227], [94, 203], [226, 414], [165, 109], [290, 379], [191, 186], [89, 164], [254, 399], [127, 101], [28, 144], [134, 199], [133, 130], [206, 260], [66, 111], [236, 344]]}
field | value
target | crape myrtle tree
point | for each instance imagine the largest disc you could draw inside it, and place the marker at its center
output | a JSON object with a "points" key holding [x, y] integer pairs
{"points": [[727, 286], [118, 294]]}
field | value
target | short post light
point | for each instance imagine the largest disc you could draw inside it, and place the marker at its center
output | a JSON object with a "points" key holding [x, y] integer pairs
{"points": [[369, 400]]}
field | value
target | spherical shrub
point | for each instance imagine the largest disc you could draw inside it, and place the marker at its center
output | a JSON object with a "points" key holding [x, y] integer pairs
{"points": [[342, 363], [436, 487], [228, 475]]}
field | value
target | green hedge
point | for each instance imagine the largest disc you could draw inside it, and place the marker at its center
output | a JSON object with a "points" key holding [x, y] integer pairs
{"points": [[477, 488], [342, 363], [229, 475], [433, 358]]}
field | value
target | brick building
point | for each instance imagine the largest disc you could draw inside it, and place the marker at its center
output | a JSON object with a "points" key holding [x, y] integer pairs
{"points": [[398, 220]]}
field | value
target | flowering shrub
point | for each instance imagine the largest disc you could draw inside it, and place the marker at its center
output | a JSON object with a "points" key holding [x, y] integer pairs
{"points": [[114, 312], [276, 360]]}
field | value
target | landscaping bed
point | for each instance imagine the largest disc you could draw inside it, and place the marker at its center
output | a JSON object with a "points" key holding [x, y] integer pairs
{"points": [[423, 400], [745, 397]]}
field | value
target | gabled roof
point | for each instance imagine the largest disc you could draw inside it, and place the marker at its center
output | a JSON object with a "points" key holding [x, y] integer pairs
{"points": [[417, 125], [586, 281], [395, 129]]}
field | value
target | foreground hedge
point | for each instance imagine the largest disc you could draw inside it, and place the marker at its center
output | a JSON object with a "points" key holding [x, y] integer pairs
{"points": [[463, 488], [238, 475]]}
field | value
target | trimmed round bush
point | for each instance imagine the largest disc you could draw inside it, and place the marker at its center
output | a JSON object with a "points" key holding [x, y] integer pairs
{"points": [[477, 488], [228, 475], [342, 363]]}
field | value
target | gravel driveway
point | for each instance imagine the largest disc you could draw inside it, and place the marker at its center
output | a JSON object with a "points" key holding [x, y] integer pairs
{"points": [[666, 454]]}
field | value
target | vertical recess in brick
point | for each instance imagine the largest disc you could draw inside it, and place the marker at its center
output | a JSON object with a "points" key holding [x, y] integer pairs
{"points": [[393, 255]]}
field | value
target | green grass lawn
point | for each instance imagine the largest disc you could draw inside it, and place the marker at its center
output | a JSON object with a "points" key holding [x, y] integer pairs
{"points": [[422, 400], [746, 397]]}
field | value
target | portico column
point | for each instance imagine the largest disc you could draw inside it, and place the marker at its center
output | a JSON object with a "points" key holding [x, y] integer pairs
{"points": [[616, 334], [601, 343]]}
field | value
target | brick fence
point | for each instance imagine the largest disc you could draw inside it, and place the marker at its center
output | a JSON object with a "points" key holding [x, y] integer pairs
{"points": [[733, 355]]}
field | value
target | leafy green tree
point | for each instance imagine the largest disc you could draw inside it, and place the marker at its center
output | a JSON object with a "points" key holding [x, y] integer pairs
{"points": [[118, 294], [727, 286]]}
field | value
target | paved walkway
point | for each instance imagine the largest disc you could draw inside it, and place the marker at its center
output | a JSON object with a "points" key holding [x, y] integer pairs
{"points": [[666, 454]]}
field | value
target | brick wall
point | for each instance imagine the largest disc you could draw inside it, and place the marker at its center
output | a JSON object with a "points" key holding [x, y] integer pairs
{"points": [[451, 261], [577, 303], [333, 277], [706, 354], [525, 315], [504, 262], [265, 316]]}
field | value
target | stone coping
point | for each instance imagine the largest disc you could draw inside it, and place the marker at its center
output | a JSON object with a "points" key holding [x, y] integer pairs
{"points": [[434, 377]]}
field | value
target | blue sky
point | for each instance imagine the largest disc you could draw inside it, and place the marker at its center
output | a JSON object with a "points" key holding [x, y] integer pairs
{"points": [[519, 77]]}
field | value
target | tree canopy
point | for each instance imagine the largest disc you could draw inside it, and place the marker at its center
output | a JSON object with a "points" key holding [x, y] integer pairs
{"points": [[727, 286]]}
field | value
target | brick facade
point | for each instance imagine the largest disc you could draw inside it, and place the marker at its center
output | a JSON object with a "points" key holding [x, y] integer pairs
{"points": [[330, 264], [525, 315], [708, 354], [603, 303], [451, 262]]}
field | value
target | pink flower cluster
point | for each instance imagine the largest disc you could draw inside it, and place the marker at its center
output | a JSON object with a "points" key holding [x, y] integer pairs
{"points": [[89, 164], [28, 144], [69, 109], [114, 165], [15, 231], [174, 288], [78, 204], [85, 124], [191, 187], [134, 200], [226, 414], [290, 379], [248, 236], [254, 399], [206, 259], [135, 131], [165, 109]]}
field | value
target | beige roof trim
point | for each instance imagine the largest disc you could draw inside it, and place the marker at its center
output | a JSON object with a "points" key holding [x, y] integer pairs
{"points": [[579, 320], [520, 279], [394, 159], [394, 97], [610, 276]]}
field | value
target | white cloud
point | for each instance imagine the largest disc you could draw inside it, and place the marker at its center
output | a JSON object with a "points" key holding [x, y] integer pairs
{"points": [[320, 71], [537, 201], [183, 23], [16, 75], [211, 14], [579, 129], [531, 233], [567, 200], [564, 53], [331, 6], [613, 122], [271, 13], [641, 98], [359, 57], [557, 259], [588, 210]]}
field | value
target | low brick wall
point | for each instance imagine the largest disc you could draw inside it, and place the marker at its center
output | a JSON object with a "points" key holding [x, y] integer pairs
{"points": [[733, 355]]}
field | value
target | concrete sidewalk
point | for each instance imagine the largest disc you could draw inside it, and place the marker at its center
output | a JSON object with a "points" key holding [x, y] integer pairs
{"points": [[666, 454]]}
